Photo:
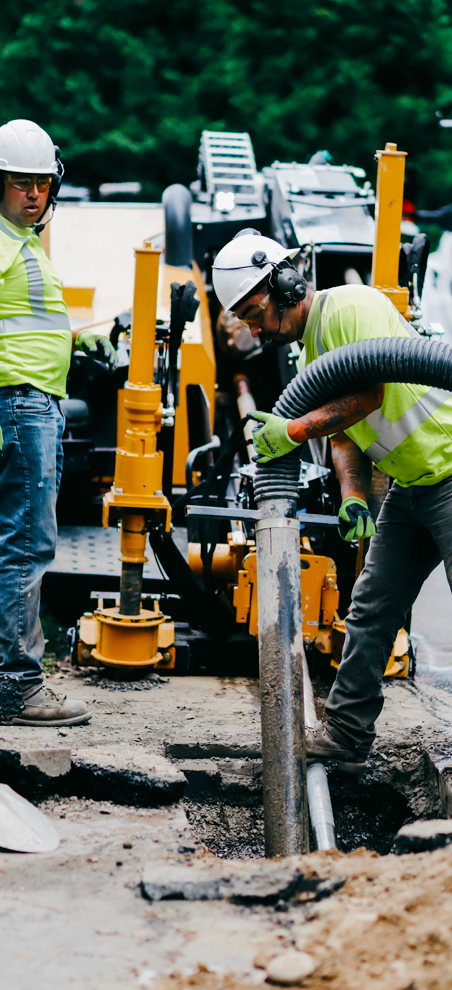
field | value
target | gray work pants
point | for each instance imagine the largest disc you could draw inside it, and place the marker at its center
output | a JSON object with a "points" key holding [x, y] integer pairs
{"points": [[414, 533]]}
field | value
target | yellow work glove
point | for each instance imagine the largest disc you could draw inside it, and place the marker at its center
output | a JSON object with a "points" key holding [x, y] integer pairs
{"points": [[271, 439], [355, 520], [97, 347]]}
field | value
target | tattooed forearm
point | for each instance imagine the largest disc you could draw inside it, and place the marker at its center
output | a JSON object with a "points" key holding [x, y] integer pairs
{"points": [[333, 416], [353, 468], [339, 414]]}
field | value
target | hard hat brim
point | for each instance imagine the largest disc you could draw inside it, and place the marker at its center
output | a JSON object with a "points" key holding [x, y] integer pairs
{"points": [[53, 170]]}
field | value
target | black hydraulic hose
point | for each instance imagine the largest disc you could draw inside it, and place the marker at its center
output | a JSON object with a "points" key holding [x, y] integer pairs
{"points": [[223, 464], [341, 372], [205, 610]]}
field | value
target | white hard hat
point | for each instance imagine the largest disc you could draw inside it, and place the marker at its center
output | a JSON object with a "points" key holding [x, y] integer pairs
{"points": [[234, 273], [25, 147]]}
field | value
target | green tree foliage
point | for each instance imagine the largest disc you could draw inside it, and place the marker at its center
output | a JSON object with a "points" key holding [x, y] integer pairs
{"points": [[125, 88]]}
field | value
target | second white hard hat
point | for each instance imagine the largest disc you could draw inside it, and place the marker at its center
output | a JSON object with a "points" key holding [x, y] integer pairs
{"points": [[25, 147], [235, 274]]}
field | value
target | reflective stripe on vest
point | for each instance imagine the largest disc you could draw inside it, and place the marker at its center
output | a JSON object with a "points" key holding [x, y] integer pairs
{"points": [[391, 435], [320, 348], [40, 318]]}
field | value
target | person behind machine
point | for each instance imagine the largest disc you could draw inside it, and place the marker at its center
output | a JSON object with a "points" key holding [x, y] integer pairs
{"points": [[35, 352], [406, 430]]}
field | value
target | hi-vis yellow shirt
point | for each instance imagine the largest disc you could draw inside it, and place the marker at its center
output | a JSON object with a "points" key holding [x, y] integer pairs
{"points": [[35, 335], [410, 437]]}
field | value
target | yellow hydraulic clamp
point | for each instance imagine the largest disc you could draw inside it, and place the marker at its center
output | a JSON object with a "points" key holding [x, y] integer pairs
{"points": [[322, 626], [128, 635], [388, 218], [235, 564]]}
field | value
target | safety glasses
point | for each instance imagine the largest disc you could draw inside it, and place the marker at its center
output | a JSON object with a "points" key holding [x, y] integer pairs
{"points": [[255, 314], [26, 182]]}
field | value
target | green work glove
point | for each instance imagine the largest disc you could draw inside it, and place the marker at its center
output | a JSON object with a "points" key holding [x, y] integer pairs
{"points": [[355, 520], [98, 348], [271, 439]]}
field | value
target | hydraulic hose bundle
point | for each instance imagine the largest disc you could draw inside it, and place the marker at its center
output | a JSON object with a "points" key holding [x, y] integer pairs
{"points": [[348, 369]]}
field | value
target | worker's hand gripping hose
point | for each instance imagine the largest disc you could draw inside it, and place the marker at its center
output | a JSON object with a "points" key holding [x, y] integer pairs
{"points": [[346, 370], [356, 521], [270, 439]]}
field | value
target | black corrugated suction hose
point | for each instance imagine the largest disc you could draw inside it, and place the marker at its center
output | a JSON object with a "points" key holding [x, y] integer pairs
{"points": [[343, 371]]}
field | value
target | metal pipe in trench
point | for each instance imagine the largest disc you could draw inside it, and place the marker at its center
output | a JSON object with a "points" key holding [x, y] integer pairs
{"points": [[286, 825], [319, 801]]}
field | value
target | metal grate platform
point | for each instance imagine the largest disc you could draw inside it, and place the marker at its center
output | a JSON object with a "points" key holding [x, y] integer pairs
{"points": [[92, 550]]}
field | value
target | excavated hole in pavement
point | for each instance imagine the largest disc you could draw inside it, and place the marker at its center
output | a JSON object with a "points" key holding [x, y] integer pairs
{"points": [[366, 814], [227, 817]]}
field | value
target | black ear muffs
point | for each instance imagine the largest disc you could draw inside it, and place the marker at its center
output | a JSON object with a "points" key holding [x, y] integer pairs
{"points": [[57, 179], [55, 186], [286, 285]]}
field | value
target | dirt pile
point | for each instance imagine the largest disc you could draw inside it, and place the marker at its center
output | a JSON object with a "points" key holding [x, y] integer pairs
{"points": [[388, 928]]}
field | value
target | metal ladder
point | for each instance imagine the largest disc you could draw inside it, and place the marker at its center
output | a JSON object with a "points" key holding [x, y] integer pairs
{"points": [[227, 161]]}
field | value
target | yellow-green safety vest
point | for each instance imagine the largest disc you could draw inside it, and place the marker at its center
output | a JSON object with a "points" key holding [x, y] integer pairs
{"points": [[410, 436], [35, 333]]}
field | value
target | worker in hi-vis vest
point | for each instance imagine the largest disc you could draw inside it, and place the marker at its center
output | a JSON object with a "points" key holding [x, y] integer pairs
{"points": [[35, 352], [406, 430]]}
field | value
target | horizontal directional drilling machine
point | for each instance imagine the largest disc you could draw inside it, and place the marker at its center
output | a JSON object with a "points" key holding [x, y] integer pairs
{"points": [[192, 490]]}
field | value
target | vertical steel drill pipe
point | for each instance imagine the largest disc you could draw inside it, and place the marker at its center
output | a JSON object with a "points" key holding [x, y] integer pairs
{"points": [[133, 545], [286, 826], [130, 588]]}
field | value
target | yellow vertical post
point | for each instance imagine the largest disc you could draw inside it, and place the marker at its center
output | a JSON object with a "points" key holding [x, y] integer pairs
{"points": [[388, 218], [128, 636], [141, 369], [139, 465]]}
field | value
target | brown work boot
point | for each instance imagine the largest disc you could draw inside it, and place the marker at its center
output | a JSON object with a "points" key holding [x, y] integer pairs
{"points": [[44, 707], [322, 748]]}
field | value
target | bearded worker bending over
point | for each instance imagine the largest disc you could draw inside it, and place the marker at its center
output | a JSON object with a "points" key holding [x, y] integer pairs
{"points": [[406, 430], [35, 352]]}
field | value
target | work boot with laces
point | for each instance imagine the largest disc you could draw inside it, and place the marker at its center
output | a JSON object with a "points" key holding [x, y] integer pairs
{"points": [[322, 748], [43, 706]]}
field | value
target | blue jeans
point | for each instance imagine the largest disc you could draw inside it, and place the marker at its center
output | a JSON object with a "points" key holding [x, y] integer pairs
{"points": [[31, 464], [414, 533]]}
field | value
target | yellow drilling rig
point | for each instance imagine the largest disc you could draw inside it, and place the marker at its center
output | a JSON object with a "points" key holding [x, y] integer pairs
{"points": [[219, 582]]}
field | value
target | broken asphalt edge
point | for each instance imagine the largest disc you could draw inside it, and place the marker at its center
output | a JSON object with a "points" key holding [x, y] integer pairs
{"points": [[269, 883], [147, 781]]}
